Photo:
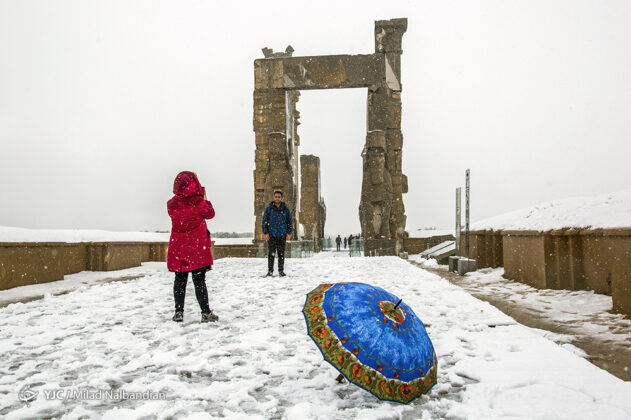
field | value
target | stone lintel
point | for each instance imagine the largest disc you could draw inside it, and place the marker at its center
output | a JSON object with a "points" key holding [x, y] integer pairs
{"points": [[319, 72]]}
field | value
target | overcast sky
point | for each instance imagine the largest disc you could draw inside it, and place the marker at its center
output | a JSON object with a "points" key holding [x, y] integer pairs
{"points": [[102, 103]]}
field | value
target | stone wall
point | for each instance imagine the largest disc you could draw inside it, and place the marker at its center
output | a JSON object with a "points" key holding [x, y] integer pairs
{"points": [[485, 246], [41, 262], [380, 247], [572, 259], [236, 251], [418, 245], [523, 258]]}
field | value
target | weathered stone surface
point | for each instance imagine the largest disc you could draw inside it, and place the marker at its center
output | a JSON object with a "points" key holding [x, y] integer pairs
{"points": [[269, 110], [280, 174], [380, 247], [388, 39], [319, 72], [389, 34], [376, 139], [312, 207], [394, 139], [269, 53], [376, 198]]}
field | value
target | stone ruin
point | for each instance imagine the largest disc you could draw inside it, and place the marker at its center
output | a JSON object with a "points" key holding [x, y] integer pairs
{"points": [[278, 79], [312, 207]]}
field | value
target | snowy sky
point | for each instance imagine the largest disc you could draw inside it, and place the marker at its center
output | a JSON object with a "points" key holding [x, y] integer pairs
{"points": [[103, 103]]}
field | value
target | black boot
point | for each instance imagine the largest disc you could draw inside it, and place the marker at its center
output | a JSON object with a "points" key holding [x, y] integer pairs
{"points": [[178, 317], [209, 317]]}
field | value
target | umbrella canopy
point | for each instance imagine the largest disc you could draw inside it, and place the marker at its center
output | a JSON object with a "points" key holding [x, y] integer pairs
{"points": [[373, 338]]}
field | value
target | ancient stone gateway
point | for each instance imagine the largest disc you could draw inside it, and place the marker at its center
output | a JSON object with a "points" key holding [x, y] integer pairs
{"points": [[279, 77]]}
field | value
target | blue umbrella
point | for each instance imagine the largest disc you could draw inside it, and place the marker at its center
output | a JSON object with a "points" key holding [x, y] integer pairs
{"points": [[373, 338]]}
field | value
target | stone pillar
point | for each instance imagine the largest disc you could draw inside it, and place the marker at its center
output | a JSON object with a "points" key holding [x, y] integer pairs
{"points": [[375, 206], [275, 121], [313, 209], [273, 169], [382, 213]]}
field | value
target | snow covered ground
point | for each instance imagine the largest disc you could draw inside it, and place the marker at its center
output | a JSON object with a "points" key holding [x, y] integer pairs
{"points": [[568, 317], [583, 311], [258, 362]]}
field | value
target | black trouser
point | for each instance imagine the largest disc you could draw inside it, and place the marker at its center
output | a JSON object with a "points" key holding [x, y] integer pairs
{"points": [[338, 247], [276, 243], [179, 289]]}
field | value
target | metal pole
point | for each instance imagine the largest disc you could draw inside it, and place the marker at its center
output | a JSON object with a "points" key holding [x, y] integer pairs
{"points": [[458, 218], [467, 216]]}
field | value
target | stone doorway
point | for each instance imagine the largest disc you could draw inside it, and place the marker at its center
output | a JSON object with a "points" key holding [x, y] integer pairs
{"points": [[279, 77]]}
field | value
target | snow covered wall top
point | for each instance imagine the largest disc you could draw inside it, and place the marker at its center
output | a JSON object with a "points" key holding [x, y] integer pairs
{"points": [[428, 233], [603, 211], [13, 234]]}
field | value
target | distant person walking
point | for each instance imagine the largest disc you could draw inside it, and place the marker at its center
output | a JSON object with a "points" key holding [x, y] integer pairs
{"points": [[345, 240], [189, 245], [277, 228], [338, 242], [350, 241]]}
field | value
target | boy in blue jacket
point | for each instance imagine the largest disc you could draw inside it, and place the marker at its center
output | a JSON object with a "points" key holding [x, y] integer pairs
{"points": [[277, 228]]}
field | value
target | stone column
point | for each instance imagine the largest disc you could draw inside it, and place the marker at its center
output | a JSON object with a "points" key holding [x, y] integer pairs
{"points": [[382, 213], [388, 40], [375, 206], [272, 156], [313, 209], [275, 121]]}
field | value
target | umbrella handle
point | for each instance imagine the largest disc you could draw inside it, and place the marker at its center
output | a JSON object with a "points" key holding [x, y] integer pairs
{"points": [[397, 305]]}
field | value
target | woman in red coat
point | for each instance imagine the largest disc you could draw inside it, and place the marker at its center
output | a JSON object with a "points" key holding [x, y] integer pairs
{"points": [[189, 246]]}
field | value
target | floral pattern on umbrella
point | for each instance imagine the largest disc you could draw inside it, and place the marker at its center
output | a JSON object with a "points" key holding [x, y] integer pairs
{"points": [[373, 338]]}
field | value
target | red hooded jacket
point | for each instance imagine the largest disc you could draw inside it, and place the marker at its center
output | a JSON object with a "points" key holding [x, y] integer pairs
{"points": [[189, 246]]}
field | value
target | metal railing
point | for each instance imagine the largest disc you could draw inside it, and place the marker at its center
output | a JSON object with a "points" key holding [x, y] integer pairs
{"points": [[357, 247], [327, 244], [299, 249]]}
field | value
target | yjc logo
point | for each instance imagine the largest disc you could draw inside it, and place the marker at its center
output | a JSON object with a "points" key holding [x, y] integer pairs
{"points": [[26, 395]]}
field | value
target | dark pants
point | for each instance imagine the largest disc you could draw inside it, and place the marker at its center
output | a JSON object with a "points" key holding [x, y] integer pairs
{"points": [[276, 243], [179, 289], [338, 247]]}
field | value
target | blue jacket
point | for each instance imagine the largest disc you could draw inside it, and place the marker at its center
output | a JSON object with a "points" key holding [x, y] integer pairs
{"points": [[277, 221]]}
